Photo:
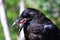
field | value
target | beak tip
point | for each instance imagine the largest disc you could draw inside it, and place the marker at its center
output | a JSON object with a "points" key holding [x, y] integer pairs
{"points": [[13, 24]]}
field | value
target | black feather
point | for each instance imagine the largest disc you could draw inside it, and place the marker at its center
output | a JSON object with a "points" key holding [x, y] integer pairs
{"points": [[38, 27]]}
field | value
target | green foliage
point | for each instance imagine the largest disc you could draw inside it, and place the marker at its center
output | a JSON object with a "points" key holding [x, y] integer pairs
{"points": [[12, 16], [10, 3]]}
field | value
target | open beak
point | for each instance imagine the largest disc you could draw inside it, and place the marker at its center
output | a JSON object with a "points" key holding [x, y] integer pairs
{"points": [[19, 21]]}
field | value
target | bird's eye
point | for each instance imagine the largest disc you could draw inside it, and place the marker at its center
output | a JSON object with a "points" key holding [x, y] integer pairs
{"points": [[25, 15]]}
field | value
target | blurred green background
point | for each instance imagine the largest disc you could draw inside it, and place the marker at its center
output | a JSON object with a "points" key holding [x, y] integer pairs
{"points": [[51, 8]]}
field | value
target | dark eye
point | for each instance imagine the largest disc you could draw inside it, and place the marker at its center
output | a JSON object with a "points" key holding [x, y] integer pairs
{"points": [[25, 15]]}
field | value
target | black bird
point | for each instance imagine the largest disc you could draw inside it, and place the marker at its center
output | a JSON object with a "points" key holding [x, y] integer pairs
{"points": [[37, 26]]}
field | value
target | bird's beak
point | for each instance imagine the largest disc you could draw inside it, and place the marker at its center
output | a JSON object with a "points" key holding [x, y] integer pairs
{"points": [[15, 22], [19, 21]]}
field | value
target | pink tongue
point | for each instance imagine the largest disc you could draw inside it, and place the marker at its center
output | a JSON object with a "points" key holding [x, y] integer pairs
{"points": [[22, 21]]}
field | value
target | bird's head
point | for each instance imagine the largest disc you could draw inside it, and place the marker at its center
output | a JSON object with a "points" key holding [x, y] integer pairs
{"points": [[27, 15]]}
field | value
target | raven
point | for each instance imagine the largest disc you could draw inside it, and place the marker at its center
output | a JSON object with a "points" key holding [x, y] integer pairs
{"points": [[37, 26]]}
